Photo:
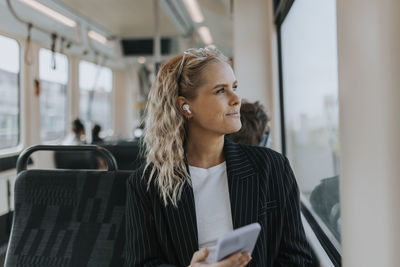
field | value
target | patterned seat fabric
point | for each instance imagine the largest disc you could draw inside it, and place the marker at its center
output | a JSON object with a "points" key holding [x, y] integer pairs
{"points": [[68, 218]]}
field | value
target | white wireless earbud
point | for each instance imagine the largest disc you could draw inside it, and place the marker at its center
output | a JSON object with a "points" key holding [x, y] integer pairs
{"points": [[186, 107]]}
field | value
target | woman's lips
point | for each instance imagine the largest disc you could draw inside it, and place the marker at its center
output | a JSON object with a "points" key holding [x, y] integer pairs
{"points": [[235, 114]]}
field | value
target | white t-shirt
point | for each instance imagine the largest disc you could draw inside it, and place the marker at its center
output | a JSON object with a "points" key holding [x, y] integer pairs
{"points": [[213, 206]]}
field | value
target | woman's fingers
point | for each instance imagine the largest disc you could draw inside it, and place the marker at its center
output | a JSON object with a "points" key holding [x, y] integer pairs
{"points": [[237, 259], [200, 255], [246, 258]]}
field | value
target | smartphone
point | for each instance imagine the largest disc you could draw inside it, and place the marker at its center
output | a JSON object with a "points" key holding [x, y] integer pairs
{"points": [[242, 239]]}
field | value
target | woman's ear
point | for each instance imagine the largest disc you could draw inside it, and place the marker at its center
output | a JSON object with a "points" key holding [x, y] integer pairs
{"points": [[183, 106]]}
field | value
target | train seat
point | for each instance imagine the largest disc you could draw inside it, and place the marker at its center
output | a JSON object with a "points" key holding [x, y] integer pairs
{"points": [[68, 218]]}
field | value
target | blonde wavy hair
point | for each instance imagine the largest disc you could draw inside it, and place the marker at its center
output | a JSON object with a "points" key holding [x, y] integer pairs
{"points": [[165, 126]]}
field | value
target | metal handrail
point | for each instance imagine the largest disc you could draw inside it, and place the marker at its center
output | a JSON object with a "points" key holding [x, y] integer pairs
{"points": [[24, 156]]}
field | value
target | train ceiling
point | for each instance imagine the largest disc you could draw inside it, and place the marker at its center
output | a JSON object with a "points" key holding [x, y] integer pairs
{"points": [[135, 18], [122, 19]]}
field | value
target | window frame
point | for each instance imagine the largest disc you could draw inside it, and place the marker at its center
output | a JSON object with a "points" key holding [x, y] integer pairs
{"points": [[323, 234]]}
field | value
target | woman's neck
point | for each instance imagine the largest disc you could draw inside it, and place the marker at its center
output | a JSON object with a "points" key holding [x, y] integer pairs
{"points": [[204, 151]]}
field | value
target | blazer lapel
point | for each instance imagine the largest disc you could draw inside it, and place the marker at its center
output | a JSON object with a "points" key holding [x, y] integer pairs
{"points": [[183, 226], [243, 185]]}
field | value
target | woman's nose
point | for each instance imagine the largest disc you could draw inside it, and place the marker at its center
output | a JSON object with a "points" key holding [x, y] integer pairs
{"points": [[235, 99]]}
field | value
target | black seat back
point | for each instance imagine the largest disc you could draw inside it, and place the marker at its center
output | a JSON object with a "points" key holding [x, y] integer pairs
{"points": [[75, 160], [127, 154], [68, 218]]}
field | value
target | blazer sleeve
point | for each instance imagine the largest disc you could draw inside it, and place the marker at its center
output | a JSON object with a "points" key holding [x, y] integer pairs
{"points": [[142, 247], [294, 248]]}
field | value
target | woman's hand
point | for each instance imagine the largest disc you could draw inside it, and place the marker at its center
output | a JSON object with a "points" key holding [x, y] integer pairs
{"points": [[235, 260]]}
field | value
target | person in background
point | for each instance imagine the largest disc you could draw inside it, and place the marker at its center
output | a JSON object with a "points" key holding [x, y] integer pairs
{"points": [[197, 185], [96, 139], [77, 137], [254, 124], [96, 134]]}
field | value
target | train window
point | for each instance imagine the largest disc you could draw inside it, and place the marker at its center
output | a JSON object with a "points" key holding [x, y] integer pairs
{"points": [[310, 94], [9, 91], [95, 84], [53, 74]]}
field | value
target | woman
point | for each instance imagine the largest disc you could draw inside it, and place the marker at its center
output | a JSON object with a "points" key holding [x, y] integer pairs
{"points": [[196, 185]]}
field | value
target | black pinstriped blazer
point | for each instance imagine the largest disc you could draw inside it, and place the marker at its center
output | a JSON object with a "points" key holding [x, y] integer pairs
{"points": [[262, 189]]}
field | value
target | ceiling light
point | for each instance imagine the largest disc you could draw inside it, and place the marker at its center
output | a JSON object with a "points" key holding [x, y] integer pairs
{"points": [[141, 60], [205, 35], [194, 10], [50, 12], [98, 37]]}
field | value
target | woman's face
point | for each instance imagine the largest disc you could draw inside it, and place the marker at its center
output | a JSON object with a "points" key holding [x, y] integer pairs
{"points": [[216, 108]]}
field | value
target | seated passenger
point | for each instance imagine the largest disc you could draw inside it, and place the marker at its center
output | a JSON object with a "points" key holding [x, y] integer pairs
{"points": [[254, 123], [95, 134], [324, 200], [96, 139], [197, 185], [77, 137]]}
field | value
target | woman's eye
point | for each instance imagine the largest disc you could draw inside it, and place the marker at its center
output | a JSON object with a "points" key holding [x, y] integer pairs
{"points": [[235, 87], [220, 91]]}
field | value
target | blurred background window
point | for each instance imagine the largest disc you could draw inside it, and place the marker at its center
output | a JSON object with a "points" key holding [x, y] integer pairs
{"points": [[95, 83], [9, 92], [53, 74]]}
